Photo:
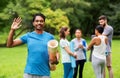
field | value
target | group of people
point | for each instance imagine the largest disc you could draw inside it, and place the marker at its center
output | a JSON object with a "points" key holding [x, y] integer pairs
{"points": [[38, 66]]}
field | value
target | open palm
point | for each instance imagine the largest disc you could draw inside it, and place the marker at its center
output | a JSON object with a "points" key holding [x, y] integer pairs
{"points": [[16, 23]]}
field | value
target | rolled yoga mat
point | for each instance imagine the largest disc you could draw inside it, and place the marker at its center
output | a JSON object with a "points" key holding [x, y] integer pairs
{"points": [[53, 49], [52, 46]]}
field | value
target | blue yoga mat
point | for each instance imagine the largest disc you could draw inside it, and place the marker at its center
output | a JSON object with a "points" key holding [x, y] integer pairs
{"points": [[73, 60]]}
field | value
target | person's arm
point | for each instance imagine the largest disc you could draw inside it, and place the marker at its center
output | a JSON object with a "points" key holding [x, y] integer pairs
{"points": [[76, 48], [67, 49], [14, 26], [106, 40], [93, 41]]}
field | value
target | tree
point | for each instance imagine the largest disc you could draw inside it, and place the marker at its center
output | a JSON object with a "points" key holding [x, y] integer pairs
{"points": [[25, 10], [76, 11], [84, 14], [115, 18]]}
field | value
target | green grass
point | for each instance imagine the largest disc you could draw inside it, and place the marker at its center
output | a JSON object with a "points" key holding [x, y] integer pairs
{"points": [[12, 63]]}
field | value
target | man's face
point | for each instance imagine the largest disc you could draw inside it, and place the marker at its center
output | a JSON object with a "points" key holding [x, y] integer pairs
{"points": [[102, 22], [39, 23]]}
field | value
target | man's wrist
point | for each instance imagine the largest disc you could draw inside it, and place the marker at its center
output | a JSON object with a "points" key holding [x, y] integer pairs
{"points": [[12, 29]]}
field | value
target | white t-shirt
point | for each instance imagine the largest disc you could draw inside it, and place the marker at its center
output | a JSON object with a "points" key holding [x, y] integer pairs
{"points": [[64, 54]]}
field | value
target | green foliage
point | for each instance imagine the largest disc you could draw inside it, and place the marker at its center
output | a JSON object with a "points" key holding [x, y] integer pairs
{"points": [[25, 9], [114, 19], [74, 10], [55, 20], [84, 14], [81, 14]]}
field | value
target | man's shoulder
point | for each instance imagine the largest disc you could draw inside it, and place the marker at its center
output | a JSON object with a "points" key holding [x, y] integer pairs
{"points": [[109, 27], [26, 34], [32, 32], [47, 33]]}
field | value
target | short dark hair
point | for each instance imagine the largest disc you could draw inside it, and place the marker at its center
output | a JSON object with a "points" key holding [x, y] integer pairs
{"points": [[62, 30], [102, 17], [100, 29], [38, 14]]}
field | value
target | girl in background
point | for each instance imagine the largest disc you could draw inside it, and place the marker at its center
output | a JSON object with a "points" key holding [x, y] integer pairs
{"points": [[80, 49], [66, 52], [98, 56]]}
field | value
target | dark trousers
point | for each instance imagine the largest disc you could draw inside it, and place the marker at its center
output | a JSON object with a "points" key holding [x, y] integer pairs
{"points": [[79, 68]]}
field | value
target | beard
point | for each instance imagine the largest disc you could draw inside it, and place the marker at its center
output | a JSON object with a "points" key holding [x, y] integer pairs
{"points": [[104, 25]]}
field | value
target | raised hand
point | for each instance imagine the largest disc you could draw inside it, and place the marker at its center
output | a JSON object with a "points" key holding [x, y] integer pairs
{"points": [[16, 23]]}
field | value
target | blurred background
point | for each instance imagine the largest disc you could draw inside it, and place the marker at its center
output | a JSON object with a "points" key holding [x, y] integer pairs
{"points": [[81, 14]]}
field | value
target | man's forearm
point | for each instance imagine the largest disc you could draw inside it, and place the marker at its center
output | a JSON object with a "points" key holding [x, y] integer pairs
{"points": [[10, 38]]}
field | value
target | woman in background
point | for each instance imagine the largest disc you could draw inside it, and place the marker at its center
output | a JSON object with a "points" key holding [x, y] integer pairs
{"points": [[98, 56], [80, 49], [66, 52]]}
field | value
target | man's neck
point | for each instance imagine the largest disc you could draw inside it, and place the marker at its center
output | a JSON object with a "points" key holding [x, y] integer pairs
{"points": [[105, 25], [39, 31]]}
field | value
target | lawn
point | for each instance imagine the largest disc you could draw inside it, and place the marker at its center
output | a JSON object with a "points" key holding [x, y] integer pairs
{"points": [[12, 63]]}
